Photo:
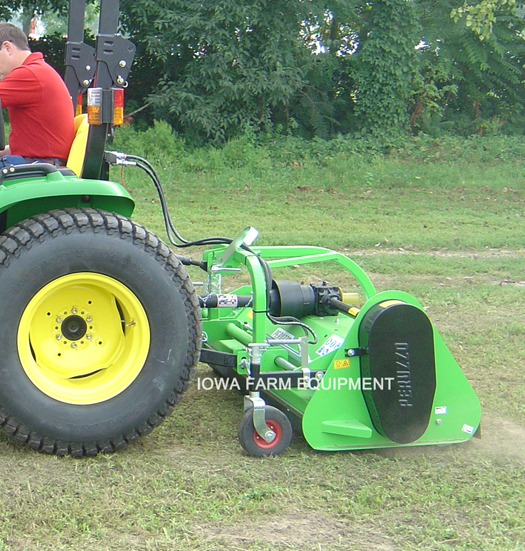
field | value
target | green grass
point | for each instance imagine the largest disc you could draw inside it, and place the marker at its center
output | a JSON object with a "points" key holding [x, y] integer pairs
{"points": [[451, 233], [342, 201]]}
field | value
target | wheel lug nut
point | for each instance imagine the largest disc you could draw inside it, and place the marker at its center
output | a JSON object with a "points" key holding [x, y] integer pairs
{"points": [[89, 337], [89, 319], [59, 319], [73, 310], [73, 345], [59, 337]]}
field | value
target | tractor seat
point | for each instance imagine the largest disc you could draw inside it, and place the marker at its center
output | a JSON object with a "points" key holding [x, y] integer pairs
{"points": [[77, 152], [75, 160]]}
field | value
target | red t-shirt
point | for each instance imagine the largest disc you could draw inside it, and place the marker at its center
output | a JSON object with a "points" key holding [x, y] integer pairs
{"points": [[40, 110]]}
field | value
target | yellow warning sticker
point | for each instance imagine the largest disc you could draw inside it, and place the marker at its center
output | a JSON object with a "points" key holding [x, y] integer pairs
{"points": [[340, 364]]}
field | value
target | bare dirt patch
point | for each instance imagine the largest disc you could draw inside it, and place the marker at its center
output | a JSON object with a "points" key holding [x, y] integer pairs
{"points": [[295, 531], [478, 253], [500, 438]]}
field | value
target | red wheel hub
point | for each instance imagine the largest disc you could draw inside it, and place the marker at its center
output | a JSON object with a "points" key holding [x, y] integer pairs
{"points": [[261, 442]]}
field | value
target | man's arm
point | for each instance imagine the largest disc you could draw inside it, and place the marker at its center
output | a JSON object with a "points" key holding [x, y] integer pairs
{"points": [[19, 88]]}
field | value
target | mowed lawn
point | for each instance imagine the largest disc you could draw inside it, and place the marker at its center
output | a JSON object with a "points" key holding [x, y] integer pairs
{"points": [[451, 233]]}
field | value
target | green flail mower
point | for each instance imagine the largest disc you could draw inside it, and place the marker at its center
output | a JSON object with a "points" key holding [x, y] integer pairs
{"points": [[102, 327], [373, 376]]}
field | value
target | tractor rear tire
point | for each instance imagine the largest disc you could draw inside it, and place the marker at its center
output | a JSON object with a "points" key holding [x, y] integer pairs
{"points": [[99, 331]]}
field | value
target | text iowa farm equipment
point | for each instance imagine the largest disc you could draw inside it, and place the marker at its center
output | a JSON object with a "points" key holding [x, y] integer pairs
{"points": [[102, 328]]}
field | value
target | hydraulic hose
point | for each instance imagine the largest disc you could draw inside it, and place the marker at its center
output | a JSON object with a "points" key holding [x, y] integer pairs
{"points": [[122, 159]]}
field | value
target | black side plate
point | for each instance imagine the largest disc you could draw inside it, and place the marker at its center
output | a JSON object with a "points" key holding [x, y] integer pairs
{"points": [[400, 365]]}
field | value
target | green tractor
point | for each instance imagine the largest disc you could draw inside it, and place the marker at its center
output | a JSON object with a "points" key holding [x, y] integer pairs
{"points": [[102, 328]]}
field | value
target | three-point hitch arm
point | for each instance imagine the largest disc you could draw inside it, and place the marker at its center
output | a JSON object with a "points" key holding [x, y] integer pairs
{"points": [[101, 69]]}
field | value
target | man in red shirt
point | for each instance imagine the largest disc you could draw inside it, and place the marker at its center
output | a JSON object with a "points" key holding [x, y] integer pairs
{"points": [[40, 108]]}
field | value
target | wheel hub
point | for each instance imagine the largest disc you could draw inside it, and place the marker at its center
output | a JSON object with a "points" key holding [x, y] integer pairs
{"points": [[74, 327]]}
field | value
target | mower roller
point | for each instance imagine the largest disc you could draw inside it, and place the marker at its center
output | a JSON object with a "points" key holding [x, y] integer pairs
{"points": [[102, 327]]}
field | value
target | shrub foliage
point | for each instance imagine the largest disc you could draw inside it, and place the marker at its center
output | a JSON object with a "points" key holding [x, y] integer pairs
{"points": [[323, 68]]}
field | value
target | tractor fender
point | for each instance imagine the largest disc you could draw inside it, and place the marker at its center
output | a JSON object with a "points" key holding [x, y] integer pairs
{"points": [[25, 194]]}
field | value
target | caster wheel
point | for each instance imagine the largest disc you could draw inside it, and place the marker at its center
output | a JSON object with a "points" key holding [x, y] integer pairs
{"points": [[257, 446]]}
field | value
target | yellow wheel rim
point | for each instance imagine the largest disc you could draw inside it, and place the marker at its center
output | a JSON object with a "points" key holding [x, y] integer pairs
{"points": [[83, 338]]}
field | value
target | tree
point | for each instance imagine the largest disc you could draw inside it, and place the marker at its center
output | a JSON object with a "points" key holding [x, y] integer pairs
{"points": [[217, 68], [386, 65], [223, 65], [467, 85], [481, 16]]}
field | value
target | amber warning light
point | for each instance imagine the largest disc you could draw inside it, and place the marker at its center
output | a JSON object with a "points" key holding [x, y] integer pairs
{"points": [[105, 106]]}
